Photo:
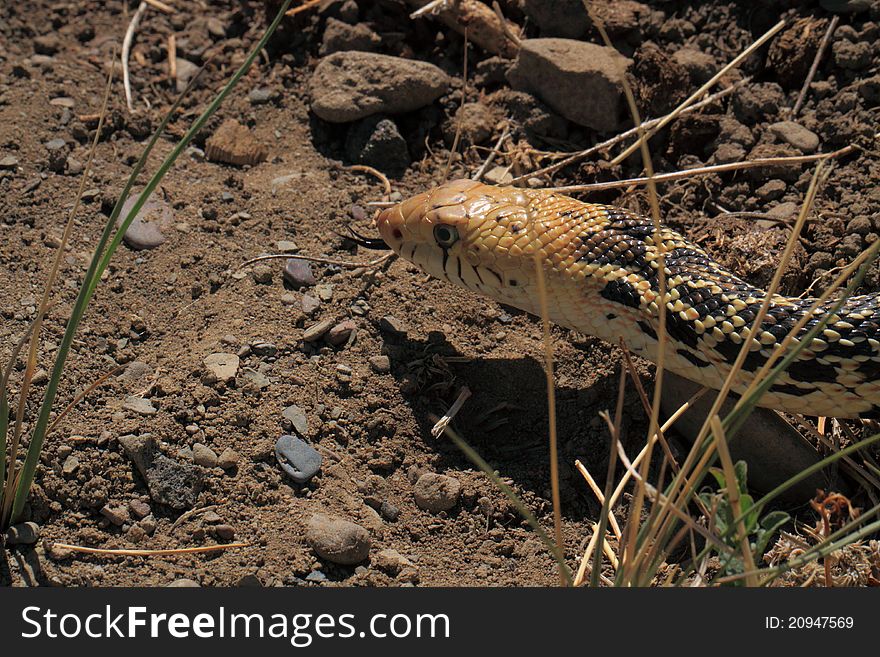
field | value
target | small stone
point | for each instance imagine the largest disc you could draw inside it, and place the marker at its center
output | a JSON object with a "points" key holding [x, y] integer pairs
{"points": [[771, 190], [436, 492], [145, 231], [262, 274], [170, 482], [390, 324], [70, 466], [297, 458], [228, 459], [729, 152], [324, 291], [222, 367], [309, 304], [139, 508], [263, 349], [8, 162], [186, 71], [224, 532], [499, 175], [338, 540], [135, 372], [289, 299], [204, 456], [376, 141], [389, 511], [380, 364], [299, 273], [317, 331], [342, 36], [40, 377], [139, 405], [795, 135], [316, 576], [184, 583], [287, 246], [26, 533], [55, 145], [46, 44], [298, 418], [262, 95], [63, 101], [216, 28], [339, 334], [118, 515], [391, 561]]}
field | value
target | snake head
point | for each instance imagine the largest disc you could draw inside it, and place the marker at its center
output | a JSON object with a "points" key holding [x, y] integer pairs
{"points": [[467, 233]]}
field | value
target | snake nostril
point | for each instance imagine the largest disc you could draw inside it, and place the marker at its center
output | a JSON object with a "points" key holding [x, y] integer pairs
{"points": [[397, 234]]}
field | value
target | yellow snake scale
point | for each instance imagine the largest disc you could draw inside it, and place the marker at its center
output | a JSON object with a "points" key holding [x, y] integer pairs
{"points": [[601, 268]]}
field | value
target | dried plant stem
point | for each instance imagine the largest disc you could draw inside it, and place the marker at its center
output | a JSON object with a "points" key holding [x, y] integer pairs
{"points": [[126, 50], [715, 168], [489, 158], [308, 4], [149, 553], [815, 66], [460, 117], [323, 261]]}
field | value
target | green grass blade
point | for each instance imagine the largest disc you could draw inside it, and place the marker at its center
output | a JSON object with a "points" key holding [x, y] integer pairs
{"points": [[98, 266]]}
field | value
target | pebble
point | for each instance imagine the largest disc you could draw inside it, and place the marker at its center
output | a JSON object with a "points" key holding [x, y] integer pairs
{"points": [[228, 459], [184, 583], [390, 324], [262, 95], [55, 145], [289, 299], [339, 334], [338, 540], [139, 508], [316, 576], [317, 331], [340, 36], [389, 511], [262, 274], [136, 371], [297, 458], [8, 162], [186, 71], [795, 135], [145, 231], [299, 273], [26, 533], [286, 246], [351, 85], [264, 349], [309, 304], [139, 405], [582, 81], [70, 466], [499, 175], [117, 515], [436, 492], [224, 532], [391, 561], [771, 190], [204, 456], [729, 152], [324, 291], [380, 364], [221, 367], [298, 418]]}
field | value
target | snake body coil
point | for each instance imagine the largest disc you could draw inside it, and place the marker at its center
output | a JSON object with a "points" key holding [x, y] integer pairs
{"points": [[601, 268]]}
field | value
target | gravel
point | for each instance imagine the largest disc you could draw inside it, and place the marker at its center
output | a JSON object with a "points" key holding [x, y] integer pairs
{"points": [[204, 456]]}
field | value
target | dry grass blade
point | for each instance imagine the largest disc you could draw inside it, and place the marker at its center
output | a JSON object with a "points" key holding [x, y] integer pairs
{"points": [[149, 553], [599, 496], [826, 38], [324, 261], [460, 118], [126, 50]]}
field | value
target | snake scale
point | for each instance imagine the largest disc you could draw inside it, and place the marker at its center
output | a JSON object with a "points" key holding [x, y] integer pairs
{"points": [[601, 268]]}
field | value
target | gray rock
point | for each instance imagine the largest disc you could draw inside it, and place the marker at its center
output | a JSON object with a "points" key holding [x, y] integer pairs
{"points": [[145, 231], [204, 456], [263, 349], [317, 331], [298, 418], [184, 583], [169, 482], [309, 304], [136, 371], [299, 273], [342, 36], [221, 367], [139, 508], [8, 162], [347, 86], [70, 466], [582, 81], [262, 95], [139, 405], [773, 449], [390, 324], [297, 458], [436, 492], [795, 135], [338, 540], [55, 145], [262, 274], [558, 18], [26, 533], [186, 71], [377, 142]]}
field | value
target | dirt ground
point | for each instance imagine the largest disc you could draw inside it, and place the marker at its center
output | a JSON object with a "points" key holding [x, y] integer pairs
{"points": [[172, 306]]}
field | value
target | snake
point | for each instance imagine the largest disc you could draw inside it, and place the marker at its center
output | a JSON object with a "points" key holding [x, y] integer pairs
{"points": [[601, 269]]}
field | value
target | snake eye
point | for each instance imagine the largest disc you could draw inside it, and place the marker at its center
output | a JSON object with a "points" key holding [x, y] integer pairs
{"points": [[445, 235]]}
